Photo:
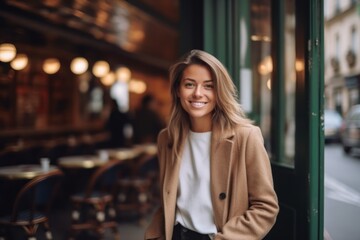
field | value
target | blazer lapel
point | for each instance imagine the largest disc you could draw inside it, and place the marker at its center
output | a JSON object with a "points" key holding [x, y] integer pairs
{"points": [[221, 148]]}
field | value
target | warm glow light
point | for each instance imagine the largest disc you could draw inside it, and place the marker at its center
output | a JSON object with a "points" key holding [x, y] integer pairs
{"points": [[257, 38], [265, 67], [19, 62], [137, 86], [108, 79], [101, 68], [268, 83], [7, 52], [51, 65], [79, 65], [299, 65], [123, 74]]}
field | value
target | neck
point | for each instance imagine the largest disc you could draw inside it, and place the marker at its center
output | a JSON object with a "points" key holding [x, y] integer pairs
{"points": [[197, 126]]}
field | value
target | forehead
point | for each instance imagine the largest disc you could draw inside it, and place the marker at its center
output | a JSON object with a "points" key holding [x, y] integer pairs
{"points": [[197, 72]]}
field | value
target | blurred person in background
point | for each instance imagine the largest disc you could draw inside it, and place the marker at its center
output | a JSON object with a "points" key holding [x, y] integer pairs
{"points": [[215, 174], [147, 122], [118, 125]]}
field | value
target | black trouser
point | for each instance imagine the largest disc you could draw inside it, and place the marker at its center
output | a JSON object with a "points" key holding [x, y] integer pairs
{"points": [[182, 233]]}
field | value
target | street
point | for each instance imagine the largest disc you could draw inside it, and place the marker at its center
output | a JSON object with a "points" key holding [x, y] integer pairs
{"points": [[342, 194]]}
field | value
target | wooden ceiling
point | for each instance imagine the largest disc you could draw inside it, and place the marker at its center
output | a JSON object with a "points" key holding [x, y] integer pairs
{"points": [[140, 27]]}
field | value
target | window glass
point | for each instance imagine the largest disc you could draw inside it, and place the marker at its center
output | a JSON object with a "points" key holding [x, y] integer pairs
{"points": [[354, 40], [290, 68], [262, 66], [337, 46], [338, 99]]}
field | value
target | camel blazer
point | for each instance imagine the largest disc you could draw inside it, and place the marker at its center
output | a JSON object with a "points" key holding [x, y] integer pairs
{"points": [[244, 202]]}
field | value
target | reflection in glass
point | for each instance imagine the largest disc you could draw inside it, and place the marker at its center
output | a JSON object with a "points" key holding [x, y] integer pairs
{"points": [[282, 151], [262, 65], [291, 66]]}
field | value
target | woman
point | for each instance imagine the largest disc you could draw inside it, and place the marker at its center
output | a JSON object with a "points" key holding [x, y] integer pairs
{"points": [[215, 175]]}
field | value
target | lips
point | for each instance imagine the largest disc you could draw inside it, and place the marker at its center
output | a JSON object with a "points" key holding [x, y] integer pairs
{"points": [[197, 104]]}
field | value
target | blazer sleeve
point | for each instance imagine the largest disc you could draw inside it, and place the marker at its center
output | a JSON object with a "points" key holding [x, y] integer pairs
{"points": [[263, 208], [156, 228]]}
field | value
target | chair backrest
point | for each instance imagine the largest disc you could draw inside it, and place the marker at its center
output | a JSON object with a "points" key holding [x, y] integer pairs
{"points": [[104, 175], [37, 195], [144, 164]]}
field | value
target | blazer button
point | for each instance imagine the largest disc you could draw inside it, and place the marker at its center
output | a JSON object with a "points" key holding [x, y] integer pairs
{"points": [[222, 196]]}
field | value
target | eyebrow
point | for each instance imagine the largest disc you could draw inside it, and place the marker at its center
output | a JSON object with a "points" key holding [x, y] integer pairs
{"points": [[193, 80]]}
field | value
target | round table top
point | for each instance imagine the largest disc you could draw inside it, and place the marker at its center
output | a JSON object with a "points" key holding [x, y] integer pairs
{"points": [[82, 161], [121, 153], [27, 171], [149, 148], [104, 155]]}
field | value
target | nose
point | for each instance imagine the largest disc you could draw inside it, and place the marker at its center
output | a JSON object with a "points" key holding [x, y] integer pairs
{"points": [[198, 91]]}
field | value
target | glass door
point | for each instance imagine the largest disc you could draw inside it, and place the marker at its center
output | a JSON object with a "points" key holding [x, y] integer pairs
{"points": [[274, 50]]}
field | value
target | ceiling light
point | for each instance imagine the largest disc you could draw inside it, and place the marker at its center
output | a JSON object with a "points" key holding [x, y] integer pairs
{"points": [[108, 79], [123, 74], [79, 65], [7, 52], [137, 86], [19, 62], [51, 65], [101, 68]]}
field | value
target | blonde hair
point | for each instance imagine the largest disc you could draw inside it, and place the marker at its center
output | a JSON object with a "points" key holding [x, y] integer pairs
{"points": [[228, 112]]}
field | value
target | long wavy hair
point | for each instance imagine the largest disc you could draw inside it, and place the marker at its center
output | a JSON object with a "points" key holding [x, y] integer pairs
{"points": [[227, 113]]}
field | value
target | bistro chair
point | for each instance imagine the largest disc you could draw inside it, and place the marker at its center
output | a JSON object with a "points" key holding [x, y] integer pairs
{"points": [[93, 208], [32, 205], [135, 192]]}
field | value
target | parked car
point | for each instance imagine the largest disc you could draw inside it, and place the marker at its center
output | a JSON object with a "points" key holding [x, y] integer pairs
{"points": [[332, 123], [350, 129]]}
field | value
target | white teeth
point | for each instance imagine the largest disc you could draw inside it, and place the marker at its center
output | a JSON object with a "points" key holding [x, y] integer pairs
{"points": [[197, 104]]}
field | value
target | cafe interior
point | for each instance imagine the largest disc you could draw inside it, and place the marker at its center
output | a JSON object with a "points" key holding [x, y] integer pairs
{"points": [[62, 63]]}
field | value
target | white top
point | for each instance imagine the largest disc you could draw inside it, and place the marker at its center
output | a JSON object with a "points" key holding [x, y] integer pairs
{"points": [[194, 208]]}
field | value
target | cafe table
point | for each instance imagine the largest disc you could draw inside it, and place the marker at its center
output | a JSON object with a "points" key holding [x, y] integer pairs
{"points": [[120, 153], [99, 159], [81, 161], [26, 171], [149, 148], [13, 178]]}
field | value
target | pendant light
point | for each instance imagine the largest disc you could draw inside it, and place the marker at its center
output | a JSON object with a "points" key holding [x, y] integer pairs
{"points": [[7, 52], [19, 62]]}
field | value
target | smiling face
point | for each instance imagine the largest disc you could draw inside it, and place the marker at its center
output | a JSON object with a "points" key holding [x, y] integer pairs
{"points": [[197, 96]]}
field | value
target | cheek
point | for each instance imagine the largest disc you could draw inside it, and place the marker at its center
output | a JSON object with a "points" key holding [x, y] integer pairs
{"points": [[181, 94], [182, 102]]}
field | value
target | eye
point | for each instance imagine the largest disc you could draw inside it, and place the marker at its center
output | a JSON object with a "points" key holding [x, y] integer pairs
{"points": [[209, 86], [189, 84]]}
